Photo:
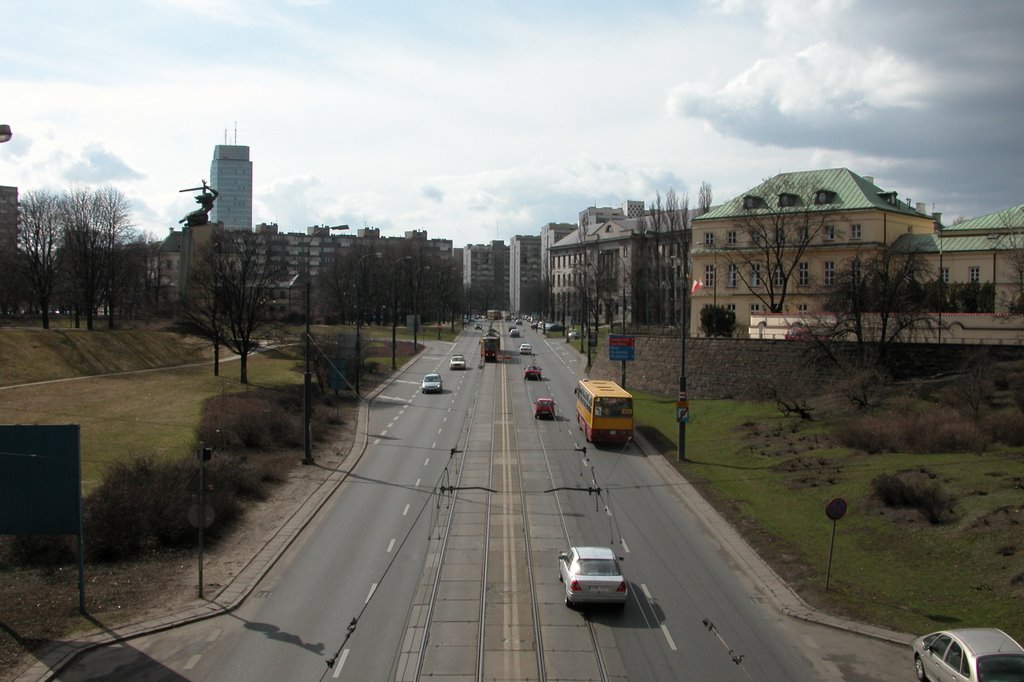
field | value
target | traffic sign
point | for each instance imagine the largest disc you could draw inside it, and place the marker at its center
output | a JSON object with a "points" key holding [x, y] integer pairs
{"points": [[835, 509]]}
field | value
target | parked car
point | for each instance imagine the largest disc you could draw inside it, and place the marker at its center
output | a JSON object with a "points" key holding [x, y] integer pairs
{"points": [[592, 575], [574, 334], [431, 383], [554, 327], [533, 372], [457, 362], [976, 654], [544, 408], [525, 349], [514, 333], [534, 325]]}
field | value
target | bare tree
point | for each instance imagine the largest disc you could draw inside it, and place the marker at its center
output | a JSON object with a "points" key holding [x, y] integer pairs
{"points": [[879, 300], [1012, 241], [83, 244], [39, 240], [775, 230], [201, 311], [111, 216], [232, 284], [704, 198]]}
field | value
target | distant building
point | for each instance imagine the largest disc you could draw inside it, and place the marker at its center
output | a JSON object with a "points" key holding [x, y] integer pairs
{"points": [[8, 219], [231, 175], [485, 276], [526, 283]]}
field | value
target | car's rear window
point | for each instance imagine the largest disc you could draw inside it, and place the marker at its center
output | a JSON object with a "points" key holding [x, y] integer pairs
{"points": [[1001, 668], [599, 567]]}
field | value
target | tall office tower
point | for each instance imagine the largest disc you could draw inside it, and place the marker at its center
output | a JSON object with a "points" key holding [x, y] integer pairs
{"points": [[8, 220], [231, 175]]}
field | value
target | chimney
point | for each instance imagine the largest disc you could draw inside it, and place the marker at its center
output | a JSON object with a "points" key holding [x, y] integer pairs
{"points": [[937, 217], [922, 207], [870, 179]]}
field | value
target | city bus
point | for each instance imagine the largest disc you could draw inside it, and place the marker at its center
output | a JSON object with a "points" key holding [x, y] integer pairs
{"points": [[604, 411]]}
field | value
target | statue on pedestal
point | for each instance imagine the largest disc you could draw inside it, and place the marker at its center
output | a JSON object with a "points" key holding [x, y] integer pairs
{"points": [[201, 216]]}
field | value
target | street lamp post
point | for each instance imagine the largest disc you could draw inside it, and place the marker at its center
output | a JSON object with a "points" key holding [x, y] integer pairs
{"points": [[307, 386]]}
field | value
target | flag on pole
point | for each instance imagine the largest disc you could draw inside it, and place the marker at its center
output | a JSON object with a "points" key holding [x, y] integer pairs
{"points": [[695, 286]]}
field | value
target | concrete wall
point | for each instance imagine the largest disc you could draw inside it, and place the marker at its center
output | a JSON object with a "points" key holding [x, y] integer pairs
{"points": [[739, 368]]}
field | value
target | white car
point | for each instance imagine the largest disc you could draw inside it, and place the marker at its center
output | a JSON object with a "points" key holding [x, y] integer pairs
{"points": [[432, 384], [592, 575], [457, 362], [525, 349], [975, 654]]}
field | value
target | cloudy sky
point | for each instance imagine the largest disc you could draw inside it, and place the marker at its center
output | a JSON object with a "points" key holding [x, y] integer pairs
{"points": [[485, 119]]}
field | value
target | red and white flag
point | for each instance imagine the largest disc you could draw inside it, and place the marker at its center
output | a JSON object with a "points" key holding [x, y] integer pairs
{"points": [[695, 287]]}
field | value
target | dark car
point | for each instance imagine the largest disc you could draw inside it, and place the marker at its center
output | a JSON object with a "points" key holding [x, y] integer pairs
{"points": [[532, 372], [554, 327], [544, 408]]}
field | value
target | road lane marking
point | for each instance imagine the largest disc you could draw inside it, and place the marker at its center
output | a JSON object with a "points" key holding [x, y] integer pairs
{"points": [[214, 635], [417, 484], [341, 663], [426, 461], [391, 545], [647, 593], [671, 644], [192, 661], [406, 510], [625, 548], [373, 588]]}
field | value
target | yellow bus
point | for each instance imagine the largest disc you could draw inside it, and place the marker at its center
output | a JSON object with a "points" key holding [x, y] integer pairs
{"points": [[604, 411]]}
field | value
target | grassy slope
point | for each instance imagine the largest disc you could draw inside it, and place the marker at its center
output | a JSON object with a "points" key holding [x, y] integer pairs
{"points": [[773, 476], [151, 412]]}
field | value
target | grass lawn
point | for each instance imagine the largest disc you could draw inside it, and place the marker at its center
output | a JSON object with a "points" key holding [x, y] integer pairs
{"points": [[772, 477]]}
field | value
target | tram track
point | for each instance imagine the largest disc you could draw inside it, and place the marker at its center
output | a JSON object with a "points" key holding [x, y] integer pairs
{"points": [[489, 494]]}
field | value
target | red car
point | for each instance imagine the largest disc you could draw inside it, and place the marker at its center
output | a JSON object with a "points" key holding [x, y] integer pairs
{"points": [[532, 372], [544, 408]]}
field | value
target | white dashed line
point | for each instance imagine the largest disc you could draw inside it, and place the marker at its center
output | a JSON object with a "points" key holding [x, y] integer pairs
{"points": [[373, 588], [406, 510], [192, 661], [214, 635], [341, 662], [647, 593], [417, 483], [426, 461], [391, 545], [625, 548], [671, 644]]}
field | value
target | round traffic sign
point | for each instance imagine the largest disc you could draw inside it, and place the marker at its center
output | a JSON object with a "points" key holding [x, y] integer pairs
{"points": [[835, 509]]}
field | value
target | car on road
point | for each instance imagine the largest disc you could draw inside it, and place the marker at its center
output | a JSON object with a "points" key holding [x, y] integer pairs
{"points": [[525, 349], [975, 654], [574, 334], [431, 383], [554, 327], [457, 362], [591, 575], [477, 326], [533, 372], [514, 333], [544, 408]]}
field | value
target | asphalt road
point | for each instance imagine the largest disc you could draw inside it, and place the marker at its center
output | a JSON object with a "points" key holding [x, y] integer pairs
{"points": [[402, 577]]}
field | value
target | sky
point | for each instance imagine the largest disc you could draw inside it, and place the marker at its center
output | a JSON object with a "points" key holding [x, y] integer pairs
{"points": [[483, 120]]}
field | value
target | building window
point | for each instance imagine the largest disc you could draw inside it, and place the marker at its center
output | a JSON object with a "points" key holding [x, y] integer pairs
{"points": [[944, 275], [755, 275], [731, 307], [974, 275], [801, 307], [751, 201], [709, 275], [730, 278], [803, 274], [855, 231], [830, 233], [777, 277], [824, 196], [755, 308], [788, 199], [709, 238], [730, 237], [830, 273]]}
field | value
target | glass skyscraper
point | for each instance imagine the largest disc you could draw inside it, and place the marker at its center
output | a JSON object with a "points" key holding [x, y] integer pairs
{"points": [[231, 175]]}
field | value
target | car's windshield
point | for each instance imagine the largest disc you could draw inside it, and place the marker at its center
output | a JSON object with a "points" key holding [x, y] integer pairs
{"points": [[431, 377], [1001, 668], [599, 567]]}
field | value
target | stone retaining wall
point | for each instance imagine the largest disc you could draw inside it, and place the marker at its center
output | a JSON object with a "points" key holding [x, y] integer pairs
{"points": [[739, 368]]}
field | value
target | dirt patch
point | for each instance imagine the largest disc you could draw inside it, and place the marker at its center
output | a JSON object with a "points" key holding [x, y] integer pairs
{"points": [[1001, 520]]}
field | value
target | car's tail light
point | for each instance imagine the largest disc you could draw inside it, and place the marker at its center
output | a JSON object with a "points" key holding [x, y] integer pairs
{"points": [[575, 585], [621, 587]]}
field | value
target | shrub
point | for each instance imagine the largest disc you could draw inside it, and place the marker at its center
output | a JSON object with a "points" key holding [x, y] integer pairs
{"points": [[1006, 427], [915, 491], [939, 429]]}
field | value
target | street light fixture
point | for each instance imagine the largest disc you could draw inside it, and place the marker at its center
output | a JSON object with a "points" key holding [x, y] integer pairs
{"points": [[307, 387]]}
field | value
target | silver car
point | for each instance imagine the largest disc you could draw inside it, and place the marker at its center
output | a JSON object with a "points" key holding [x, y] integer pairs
{"points": [[975, 654], [591, 575], [431, 384]]}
